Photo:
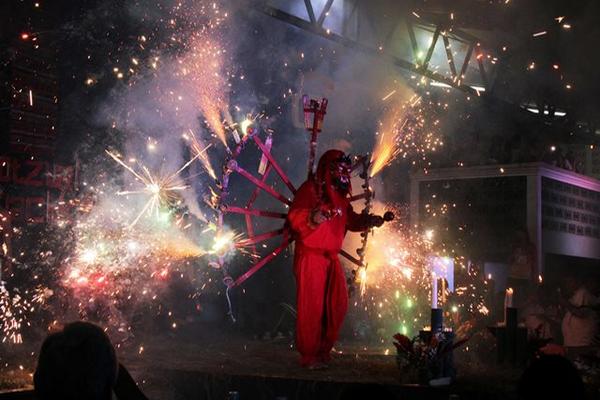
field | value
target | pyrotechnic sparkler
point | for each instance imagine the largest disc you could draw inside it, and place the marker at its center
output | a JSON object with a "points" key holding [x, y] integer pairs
{"points": [[245, 124], [161, 190], [362, 276], [225, 243], [116, 268], [111, 259]]}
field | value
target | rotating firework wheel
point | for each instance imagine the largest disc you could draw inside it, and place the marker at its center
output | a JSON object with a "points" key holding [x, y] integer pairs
{"points": [[227, 204]]}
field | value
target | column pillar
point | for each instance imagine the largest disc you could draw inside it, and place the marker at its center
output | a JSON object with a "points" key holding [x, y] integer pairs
{"points": [[534, 216]]}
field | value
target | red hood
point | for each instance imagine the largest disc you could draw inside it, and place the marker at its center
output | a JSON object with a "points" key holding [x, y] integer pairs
{"points": [[324, 179]]}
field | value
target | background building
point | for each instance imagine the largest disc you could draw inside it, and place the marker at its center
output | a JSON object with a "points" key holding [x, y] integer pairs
{"points": [[559, 210]]}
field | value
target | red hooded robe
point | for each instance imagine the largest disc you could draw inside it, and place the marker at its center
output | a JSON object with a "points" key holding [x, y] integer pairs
{"points": [[322, 297]]}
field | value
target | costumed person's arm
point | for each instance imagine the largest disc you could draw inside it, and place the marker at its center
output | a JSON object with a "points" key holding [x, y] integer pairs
{"points": [[312, 221], [300, 213], [362, 222]]}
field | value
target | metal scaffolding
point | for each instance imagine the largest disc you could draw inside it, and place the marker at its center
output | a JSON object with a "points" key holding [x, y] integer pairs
{"points": [[361, 30]]}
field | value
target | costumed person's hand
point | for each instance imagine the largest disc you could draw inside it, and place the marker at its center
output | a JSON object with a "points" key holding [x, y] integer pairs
{"points": [[317, 216], [376, 220]]}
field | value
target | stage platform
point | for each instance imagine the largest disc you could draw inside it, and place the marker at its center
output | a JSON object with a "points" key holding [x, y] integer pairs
{"points": [[198, 367], [259, 369]]}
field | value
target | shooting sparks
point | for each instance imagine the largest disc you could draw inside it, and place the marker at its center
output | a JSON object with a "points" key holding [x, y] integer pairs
{"points": [[13, 313], [407, 132], [161, 191], [224, 243], [395, 294], [204, 66], [387, 96], [201, 152]]}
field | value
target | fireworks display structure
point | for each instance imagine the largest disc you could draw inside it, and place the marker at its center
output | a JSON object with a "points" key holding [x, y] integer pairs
{"points": [[314, 113]]}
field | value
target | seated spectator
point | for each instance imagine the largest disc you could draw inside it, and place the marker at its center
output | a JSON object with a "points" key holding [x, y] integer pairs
{"points": [[551, 377], [80, 363]]}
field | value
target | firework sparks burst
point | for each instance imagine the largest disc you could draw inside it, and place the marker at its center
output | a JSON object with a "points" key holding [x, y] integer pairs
{"points": [[13, 313], [396, 287], [407, 132], [203, 66], [161, 190], [225, 243]]}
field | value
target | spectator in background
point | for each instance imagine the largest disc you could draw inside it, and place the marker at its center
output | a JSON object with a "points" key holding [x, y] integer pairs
{"points": [[522, 272], [580, 323], [80, 363]]}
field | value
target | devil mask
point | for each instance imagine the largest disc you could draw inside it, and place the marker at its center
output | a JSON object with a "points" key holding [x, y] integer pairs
{"points": [[340, 170], [333, 173]]}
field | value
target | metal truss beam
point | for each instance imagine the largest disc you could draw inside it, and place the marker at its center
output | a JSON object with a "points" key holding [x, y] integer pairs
{"points": [[314, 25], [449, 56]]}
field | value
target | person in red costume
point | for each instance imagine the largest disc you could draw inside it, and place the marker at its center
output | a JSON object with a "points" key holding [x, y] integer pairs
{"points": [[319, 217]]}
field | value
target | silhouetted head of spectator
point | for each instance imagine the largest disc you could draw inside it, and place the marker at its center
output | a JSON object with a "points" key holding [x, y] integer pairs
{"points": [[77, 363], [551, 377]]}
